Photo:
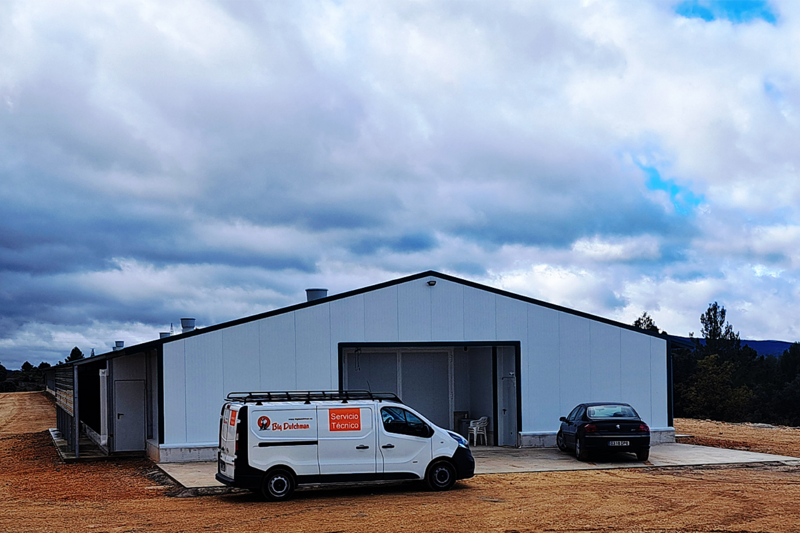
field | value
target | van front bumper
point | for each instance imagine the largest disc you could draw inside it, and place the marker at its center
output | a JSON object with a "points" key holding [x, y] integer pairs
{"points": [[465, 463]]}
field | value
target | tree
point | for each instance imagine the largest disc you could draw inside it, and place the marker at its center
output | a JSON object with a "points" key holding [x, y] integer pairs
{"points": [[43, 365], [712, 394], [787, 404], [74, 355], [719, 334], [789, 363], [646, 322], [3, 373], [26, 367]]}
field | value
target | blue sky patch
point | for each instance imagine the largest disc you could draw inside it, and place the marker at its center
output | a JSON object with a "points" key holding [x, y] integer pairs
{"points": [[736, 11], [683, 199]]}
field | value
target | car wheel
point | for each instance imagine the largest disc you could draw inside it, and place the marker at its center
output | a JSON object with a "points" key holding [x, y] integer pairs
{"points": [[278, 485], [643, 454], [441, 476], [560, 441], [580, 451]]}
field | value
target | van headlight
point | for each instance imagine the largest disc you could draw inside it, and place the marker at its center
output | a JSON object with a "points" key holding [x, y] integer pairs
{"points": [[464, 443]]}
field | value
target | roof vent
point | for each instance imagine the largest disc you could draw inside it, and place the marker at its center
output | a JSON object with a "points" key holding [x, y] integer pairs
{"points": [[315, 294], [163, 334], [187, 324], [118, 345]]}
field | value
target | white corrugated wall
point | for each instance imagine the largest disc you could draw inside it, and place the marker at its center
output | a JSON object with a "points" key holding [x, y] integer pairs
{"points": [[565, 359]]}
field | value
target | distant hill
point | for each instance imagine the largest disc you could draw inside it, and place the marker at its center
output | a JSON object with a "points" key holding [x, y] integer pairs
{"points": [[773, 348]]}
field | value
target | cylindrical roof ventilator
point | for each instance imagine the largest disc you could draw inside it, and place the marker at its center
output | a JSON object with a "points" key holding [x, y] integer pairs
{"points": [[315, 294], [187, 324]]}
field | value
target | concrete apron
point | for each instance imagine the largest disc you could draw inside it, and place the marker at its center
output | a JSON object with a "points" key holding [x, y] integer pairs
{"points": [[497, 460]]}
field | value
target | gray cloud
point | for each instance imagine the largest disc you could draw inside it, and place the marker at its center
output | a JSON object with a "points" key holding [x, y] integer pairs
{"points": [[158, 160]]}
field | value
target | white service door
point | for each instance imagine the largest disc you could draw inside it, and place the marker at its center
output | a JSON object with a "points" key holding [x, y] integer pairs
{"points": [[129, 429], [347, 440], [508, 413]]}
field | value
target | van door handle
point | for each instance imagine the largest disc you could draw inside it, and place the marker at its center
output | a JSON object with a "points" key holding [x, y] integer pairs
{"points": [[362, 447], [388, 446]]}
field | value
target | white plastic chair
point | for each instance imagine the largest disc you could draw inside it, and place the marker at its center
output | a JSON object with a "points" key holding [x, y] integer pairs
{"points": [[476, 428]]}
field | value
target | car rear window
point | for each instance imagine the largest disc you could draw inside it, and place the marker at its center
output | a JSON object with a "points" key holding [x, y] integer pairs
{"points": [[610, 411]]}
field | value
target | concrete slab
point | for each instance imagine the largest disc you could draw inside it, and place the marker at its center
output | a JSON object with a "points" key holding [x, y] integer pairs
{"points": [[495, 460], [192, 475], [87, 450], [510, 460]]}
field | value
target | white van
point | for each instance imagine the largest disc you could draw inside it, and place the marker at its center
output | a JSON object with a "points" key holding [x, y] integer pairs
{"points": [[273, 441]]}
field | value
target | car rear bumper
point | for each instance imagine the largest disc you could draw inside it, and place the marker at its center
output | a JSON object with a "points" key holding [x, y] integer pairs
{"points": [[610, 443]]}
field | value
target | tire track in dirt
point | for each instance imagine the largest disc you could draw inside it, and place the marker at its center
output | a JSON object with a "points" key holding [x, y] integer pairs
{"points": [[26, 412]]}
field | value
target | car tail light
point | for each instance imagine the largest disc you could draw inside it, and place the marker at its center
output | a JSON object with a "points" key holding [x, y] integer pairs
{"points": [[590, 428], [643, 428]]}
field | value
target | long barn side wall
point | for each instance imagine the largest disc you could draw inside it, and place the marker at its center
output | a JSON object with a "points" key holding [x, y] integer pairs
{"points": [[565, 358]]}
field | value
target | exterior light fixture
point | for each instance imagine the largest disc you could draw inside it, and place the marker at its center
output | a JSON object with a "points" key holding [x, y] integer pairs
{"points": [[431, 282]]}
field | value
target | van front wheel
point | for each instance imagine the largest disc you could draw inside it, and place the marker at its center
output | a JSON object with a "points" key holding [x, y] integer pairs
{"points": [[278, 485], [441, 476]]}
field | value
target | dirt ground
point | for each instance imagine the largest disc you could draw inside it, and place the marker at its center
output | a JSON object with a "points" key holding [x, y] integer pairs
{"points": [[762, 438], [37, 493]]}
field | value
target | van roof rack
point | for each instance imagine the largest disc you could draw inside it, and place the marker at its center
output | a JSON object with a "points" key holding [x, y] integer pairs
{"points": [[311, 396]]}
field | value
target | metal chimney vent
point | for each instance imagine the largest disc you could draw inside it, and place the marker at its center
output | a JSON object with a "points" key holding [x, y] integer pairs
{"points": [[315, 294], [118, 345], [187, 324]]}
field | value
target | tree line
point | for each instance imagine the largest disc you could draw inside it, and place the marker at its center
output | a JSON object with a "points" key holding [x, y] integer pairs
{"points": [[30, 377], [720, 379]]}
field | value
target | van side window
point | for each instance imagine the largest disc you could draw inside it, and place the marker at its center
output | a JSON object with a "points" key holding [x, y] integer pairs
{"points": [[397, 420]]}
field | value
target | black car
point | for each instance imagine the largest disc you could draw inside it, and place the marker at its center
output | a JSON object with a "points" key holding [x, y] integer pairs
{"points": [[605, 427]]}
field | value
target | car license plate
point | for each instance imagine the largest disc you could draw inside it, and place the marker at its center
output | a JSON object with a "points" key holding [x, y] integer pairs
{"points": [[618, 443]]}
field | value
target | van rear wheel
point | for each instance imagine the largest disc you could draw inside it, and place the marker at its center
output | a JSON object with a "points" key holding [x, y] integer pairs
{"points": [[441, 476], [278, 485]]}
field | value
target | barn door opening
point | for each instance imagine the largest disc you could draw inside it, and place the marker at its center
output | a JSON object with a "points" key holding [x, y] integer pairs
{"points": [[451, 384]]}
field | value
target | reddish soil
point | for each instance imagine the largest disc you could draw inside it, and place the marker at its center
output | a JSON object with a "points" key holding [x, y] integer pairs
{"points": [[762, 438], [37, 493]]}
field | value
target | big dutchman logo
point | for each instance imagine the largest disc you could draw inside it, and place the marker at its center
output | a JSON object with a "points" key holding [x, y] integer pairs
{"points": [[264, 424]]}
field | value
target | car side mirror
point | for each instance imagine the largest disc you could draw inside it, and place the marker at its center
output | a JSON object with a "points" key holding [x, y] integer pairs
{"points": [[563, 418]]}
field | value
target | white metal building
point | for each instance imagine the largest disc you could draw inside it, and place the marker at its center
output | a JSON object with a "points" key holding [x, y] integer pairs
{"points": [[454, 349]]}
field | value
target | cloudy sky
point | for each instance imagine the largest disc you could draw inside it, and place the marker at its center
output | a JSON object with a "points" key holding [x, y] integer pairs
{"points": [[214, 159]]}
